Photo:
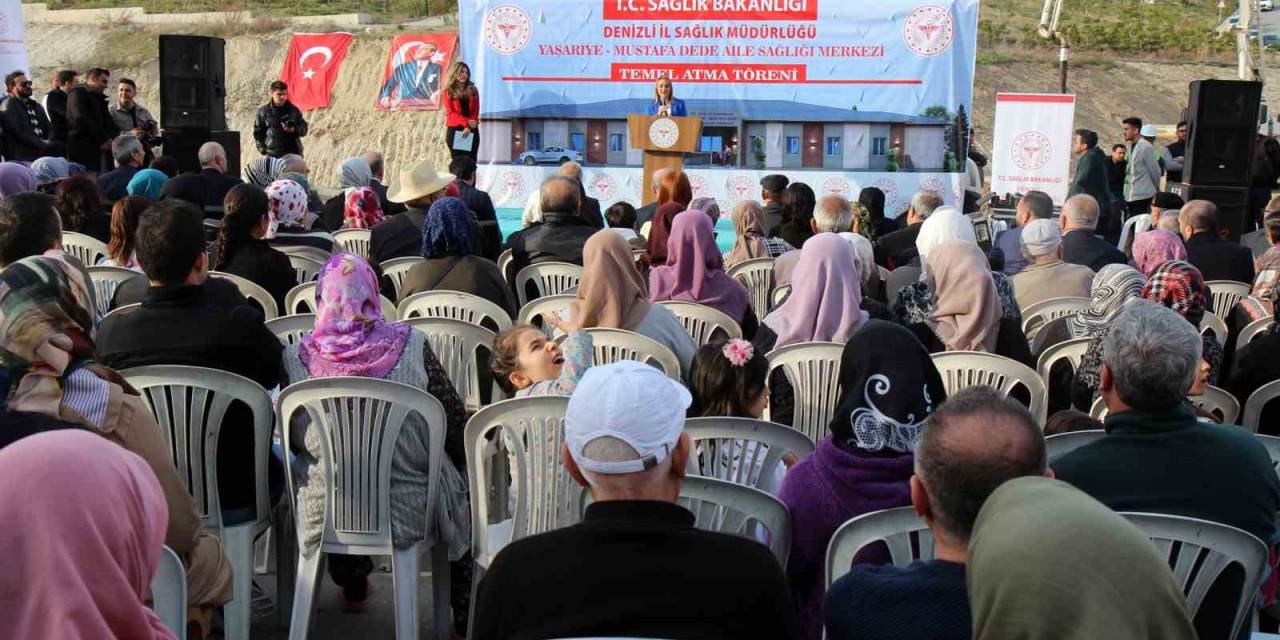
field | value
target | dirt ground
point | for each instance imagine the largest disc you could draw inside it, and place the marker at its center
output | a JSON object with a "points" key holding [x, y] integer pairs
{"points": [[1154, 91]]}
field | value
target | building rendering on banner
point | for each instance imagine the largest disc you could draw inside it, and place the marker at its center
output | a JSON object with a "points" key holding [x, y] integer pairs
{"points": [[749, 134]]}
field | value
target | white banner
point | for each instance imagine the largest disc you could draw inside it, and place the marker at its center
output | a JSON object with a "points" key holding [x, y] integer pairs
{"points": [[1032, 149], [13, 37]]}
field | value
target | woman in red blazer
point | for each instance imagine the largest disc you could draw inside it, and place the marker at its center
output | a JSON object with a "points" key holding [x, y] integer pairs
{"points": [[461, 110]]}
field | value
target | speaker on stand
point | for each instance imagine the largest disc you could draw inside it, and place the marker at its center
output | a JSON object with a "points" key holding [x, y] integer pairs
{"points": [[1223, 117], [193, 99]]}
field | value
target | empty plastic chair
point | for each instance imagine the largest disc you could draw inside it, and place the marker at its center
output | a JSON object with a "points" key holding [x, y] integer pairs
{"points": [[290, 329], [962, 369], [743, 450], [304, 268], [1226, 293], [396, 269], [612, 345], [458, 346], [354, 241]]}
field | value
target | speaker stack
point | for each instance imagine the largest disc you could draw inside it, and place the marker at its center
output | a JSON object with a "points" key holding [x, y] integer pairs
{"points": [[1223, 116], [193, 99]]}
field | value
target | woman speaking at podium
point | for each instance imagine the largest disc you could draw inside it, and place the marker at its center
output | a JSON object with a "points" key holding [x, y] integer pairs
{"points": [[665, 102]]}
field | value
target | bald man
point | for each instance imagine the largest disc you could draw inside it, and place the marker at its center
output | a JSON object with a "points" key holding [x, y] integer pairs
{"points": [[645, 214], [590, 212], [1216, 257], [208, 188], [1080, 244], [562, 233], [976, 441]]}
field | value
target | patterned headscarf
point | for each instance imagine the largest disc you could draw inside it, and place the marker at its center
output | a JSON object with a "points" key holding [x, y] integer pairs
{"points": [[287, 206], [350, 337], [890, 387], [263, 171], [447, 229], [1156, 247], [1261, 301], [361, 209], [148, 183], [708, 206], [1113, 287], [16, 178], [46, 336], [1179, 286], [862, 220], [50, 169]]}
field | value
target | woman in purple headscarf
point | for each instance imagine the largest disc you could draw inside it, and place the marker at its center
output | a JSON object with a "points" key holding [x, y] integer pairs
{"points": [[1156, 247], [352, 339], [16, 178], [824, 306], [694, 272]]}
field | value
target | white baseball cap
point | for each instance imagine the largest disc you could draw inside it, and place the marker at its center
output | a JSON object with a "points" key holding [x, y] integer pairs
{"points": [[1148, 131], [632, 402]]}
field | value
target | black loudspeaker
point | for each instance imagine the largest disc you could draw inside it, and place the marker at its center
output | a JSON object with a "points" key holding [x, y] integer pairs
{"points": [[192, 83], [184, 146], [1224, 124], [1232, 203]]}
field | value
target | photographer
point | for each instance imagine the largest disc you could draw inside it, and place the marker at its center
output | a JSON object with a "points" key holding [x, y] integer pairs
{"points": [[133, 118], [26, 127], [280, 126]]}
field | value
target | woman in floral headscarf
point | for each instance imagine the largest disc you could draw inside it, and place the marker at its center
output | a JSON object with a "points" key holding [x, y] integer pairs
{"points": [[46, 349], [351, 338], [362, 209], [287, 212]]}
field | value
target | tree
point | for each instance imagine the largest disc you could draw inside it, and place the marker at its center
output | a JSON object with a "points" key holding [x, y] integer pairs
{"points": [[891, 160]]}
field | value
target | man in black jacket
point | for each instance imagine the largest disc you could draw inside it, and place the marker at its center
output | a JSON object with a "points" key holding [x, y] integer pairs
{"points": [[635, 566], [280, 126], [1079, 219], [900, 246], [562, 233], [401, 236], [377, 166], [55, 102], [176, 324], [26, 127], [212, 183], [90, 128], [1091, 172], [480, 204], [590, 207], [1216, 258]]}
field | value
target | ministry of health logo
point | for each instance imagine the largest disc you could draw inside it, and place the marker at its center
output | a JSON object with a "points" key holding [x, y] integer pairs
{"points": [[507, 29], [1031, 150], [929, 30]]}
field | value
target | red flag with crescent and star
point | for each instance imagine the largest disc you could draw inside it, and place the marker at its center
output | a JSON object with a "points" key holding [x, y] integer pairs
{"points": [[311, 66]]}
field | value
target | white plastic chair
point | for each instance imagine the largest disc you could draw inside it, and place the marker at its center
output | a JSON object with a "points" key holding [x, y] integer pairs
{"points": [[1212, 322], [304, 251], [304, 268], [397, 268], [359, 421], [896, 528], [105, 282], [190, 404], [756, 275], [533, 312], [813, 369], [1217, 401], [169, 593], [253, 292], [87, 249], [504, 262], [779, 295], [290, 329], [1199, 551], [1036, 316], [1072, 351], [742, 450], [735, 509], [1247, 334], [1257, 401], [1226, 293], [354, 241], [962, 369], [1061, 444], [549, 278], [454, 305], [457, 344], [702, 322], [1129, 226], [612, 345], [302, 299]]}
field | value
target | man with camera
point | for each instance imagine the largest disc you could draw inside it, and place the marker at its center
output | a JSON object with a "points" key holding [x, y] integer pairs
{"points": [[280, 126], [27, 131], [133, 118]]}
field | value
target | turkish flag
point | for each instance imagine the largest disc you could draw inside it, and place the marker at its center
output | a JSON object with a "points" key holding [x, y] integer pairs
{"points": [[311, 66]]}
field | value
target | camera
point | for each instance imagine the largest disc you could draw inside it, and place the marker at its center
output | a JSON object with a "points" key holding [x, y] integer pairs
{"points": [[289, 121]]}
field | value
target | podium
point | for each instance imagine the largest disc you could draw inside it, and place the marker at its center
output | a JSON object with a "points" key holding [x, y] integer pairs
{"points": [[664, 140]]}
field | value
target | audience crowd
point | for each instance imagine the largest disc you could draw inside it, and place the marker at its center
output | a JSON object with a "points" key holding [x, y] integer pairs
{"points": [[1024, 544]]}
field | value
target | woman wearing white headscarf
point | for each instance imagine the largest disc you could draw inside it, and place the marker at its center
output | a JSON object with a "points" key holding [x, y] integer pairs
{"points": [[353, 173]]}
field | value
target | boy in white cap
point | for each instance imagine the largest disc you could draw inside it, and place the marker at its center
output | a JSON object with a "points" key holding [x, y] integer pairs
{"points": [[634, 566]]}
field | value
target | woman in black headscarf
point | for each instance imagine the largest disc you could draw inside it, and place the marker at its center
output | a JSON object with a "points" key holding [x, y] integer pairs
{"points": [[798, 202], [890, 386]]}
